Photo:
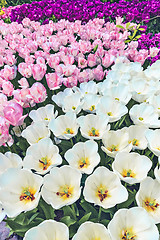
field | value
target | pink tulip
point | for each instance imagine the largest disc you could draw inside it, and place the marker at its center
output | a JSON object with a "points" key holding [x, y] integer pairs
{"points": [[38, 92], [39, 71], [53, 81]]}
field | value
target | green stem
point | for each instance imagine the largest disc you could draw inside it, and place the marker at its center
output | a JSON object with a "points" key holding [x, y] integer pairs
{"points": [[74, 212], [99, 213], [8, 147], [72, 141]]}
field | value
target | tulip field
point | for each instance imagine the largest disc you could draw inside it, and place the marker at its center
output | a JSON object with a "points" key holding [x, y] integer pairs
{"points": [[80, 120]]}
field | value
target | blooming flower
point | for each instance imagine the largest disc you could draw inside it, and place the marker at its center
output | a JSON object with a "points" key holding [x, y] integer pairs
{"points": [[62, 186], [153, 137], [148, 197], [90, 230], [19, 191], [35, 132], [42, 156], [131, 167], [133, 223], [93, 126], [137, 137], [64, 126], [48, 229], [116, 141], [104, 188], [83, 156], [9, 160]]}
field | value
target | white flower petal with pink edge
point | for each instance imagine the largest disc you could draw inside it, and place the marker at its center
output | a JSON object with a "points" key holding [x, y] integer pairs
{"points": [[9, 160], [19, 191], [47, 230], [131, 167], [90, 230], [93, 126], [113, 109], [62, 186], [148, 197], [144, 114], [116, 141], [133, 223], [153, 138], [104, 188], [36, 132], [45, 114], [42, 156], [64, 126], [83, 156]]}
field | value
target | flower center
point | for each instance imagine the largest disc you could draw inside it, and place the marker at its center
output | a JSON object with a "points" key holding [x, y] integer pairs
{"points": [[44, 163], [47, 119], [117, 99], [94, 132], [113, 148], [134, 142], [74, 108], [126, 235], [92, 108], [39, 139], [69, 131], [109, 114], [151, 205], [128, 173], [158, 148], [140, 118], [27, 194], [102, 193], [83, 163], [65, 192]]}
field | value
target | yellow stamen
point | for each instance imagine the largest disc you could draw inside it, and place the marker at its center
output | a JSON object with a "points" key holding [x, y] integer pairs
{"points": [[69, 131], [65, 192], [140, 118], [27, 194], [113, 148], [117, 99], [150, 204], [134, 142], [128, 235], [74, 108], [92, 108], [44, 163], [39, 139], [93, 132], [128, 173], [109, 114], [102, 193], [83, 163]]}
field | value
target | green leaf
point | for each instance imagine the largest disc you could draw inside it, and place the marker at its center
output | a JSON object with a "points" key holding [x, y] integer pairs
{"points": [[85, 218], [127, 25], [47, 209], [95, 48], [68, 220], [105, 222], [89, 208], [119, 26], [68, 211]]}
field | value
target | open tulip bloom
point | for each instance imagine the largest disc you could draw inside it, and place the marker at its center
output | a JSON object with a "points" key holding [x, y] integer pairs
{"points": [[42, 156], [104, 188], [132, 224], [148, 197], [90, 230], [93, 126], [83, 156], [19, 191], [131, 167], [9, 160], [153, 138], [64, 126], [72, 103], [90, 102], [116, 141], [62, 186], [137, 137], [48, 230]]}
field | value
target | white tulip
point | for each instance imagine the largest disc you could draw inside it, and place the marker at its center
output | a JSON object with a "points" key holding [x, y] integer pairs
{"points": [[153, 138], [148, 197], [137, 137], [133, 224], [9, 160], [48, 230], [131, 167], [104, 188], [62, 186], [19, 191], [83, 156]]}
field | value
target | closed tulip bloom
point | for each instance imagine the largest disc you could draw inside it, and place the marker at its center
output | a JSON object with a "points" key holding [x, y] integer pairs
{"points": [[104, 188], [48, 230], [132, 224], [62, 186], [90, 230], [19, 191]]}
